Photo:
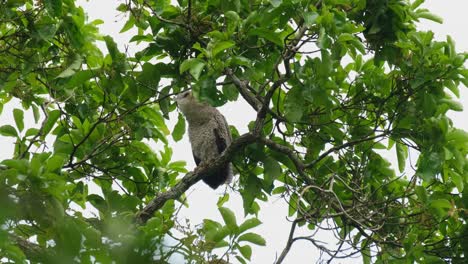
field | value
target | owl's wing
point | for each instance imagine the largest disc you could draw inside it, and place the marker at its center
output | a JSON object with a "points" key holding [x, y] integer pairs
{"points": [[223, 127], [228, 131], [221, 143], [197, 159], [222, 132], [223, 139]]}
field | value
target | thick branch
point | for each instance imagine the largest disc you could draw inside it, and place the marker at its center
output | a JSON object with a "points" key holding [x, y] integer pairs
{"points": [[205, 168], [244, 90], [32, 251], [291, 155]]}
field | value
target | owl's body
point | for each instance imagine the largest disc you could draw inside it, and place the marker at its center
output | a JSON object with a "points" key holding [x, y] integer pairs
{"points": [[209, 135]]}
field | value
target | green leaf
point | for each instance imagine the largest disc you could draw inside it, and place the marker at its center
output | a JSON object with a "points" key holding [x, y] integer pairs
{"points": [[402, 154], [249, 224], [36, 113], [293, 201], [239, 60], [416, 4], [268, 35], [253, 238], [219, 234], [429, 165], [464, 240], [457, 179], [232, 21], [54, 7], [246, 251], [153, 225], [358, 45], [220, 46], [31, 132], [252, 189], [51, 120], [454, 105], [98, 202], [294, 104], [453, 87], [210, 225], [440, 207], [222, 200], [346, 37], [194, 66], [429, 16], [70, 236], [179, 129], [18, 115], [47, 32], [323, 41], [128, 25], [178, 166], [230, 91], [276, 3], [272, 170], [55, 163], [21, 165], [221, 244], [72, 68], [158, 119], [112, 47], [279, 190], [421, 192], [79, 78], [229, 218], [37, 163], [310, 18], [93, 237], [239, 258], [8, 131], [457, 136], [231, 15], [12, 252], [366, 254]]}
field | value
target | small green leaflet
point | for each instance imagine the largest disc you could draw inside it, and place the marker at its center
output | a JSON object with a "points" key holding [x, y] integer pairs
{"points": [[179, 129], [194, 66]]}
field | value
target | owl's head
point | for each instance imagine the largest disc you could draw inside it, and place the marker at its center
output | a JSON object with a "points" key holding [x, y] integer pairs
{"points": [[186, 102], [184, 97]]}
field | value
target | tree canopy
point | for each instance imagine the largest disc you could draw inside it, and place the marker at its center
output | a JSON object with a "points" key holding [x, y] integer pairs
{"points": [[338, 87]]}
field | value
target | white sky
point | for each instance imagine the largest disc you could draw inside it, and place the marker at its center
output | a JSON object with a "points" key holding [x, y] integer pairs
{"points": [[202, 199]]}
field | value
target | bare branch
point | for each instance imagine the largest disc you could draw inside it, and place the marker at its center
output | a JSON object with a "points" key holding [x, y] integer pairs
{"points": [[289, 243]]}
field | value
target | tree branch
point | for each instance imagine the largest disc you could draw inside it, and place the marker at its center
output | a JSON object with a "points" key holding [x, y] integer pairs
{"points": [[345, 145], [244, 90], [32, 251], [205, 168], [163, 19], [291, 155], [289, 243]]}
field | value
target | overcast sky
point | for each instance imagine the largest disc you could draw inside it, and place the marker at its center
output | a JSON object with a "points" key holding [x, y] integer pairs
{"points": [[202, 199]]}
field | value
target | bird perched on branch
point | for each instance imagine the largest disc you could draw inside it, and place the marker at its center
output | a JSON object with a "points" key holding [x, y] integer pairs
{"points": [[209, 135]]}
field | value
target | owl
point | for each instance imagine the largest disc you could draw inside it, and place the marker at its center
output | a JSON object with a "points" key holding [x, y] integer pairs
{"points": [[209, 135]]}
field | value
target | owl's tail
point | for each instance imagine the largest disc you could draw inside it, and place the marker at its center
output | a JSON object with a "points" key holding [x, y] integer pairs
{"points": [[224, 175]]}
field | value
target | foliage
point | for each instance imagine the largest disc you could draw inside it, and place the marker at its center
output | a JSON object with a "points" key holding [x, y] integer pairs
{"points": [[338, 87]]}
